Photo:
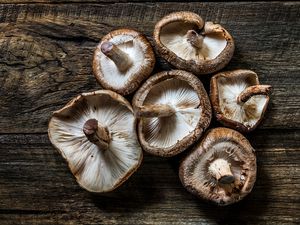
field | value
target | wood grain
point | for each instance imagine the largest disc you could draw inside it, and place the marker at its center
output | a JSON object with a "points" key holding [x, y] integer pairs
{"points": [[84, 1], [45, 60], [36, 186]]}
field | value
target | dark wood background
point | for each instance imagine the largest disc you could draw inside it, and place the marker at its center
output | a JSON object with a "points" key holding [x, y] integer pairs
{"points": [[45, 59]]}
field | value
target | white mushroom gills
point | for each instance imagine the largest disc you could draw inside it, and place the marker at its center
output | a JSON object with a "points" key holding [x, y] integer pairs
{"points": [[187, 43], [97, 134], [120, 58], [246, 94], [242, 100], [220, 170], [170, 112]]}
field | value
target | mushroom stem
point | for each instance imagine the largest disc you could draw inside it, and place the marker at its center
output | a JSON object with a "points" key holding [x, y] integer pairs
{"points": [[120, 58], [96, 133], [220, 169], [195, 39], [246, 94], [154, 111]]}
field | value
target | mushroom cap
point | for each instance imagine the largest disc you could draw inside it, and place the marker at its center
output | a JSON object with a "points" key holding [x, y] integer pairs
{"points": [[171, 43], [220, 143], [139, 50], [225, 87], [184, 92], [97, 170]]}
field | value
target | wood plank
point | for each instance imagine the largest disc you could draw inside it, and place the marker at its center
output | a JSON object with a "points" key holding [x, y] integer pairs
{"points": [[100, 1], [77, 1], [60, 1], [37, 188], [46, 52], [85, 1]]}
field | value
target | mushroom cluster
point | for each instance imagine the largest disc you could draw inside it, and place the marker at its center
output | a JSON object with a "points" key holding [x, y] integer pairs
{"points": [[101, 135]]}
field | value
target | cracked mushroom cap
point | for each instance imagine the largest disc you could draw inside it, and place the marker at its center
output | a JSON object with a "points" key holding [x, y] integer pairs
{"points": [[173, 110], [122, 60], [189, 43], [221, 168], [238, 100], [95, 133]]}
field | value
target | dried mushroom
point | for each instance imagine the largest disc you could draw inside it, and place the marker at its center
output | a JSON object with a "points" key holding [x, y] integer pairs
{"points": [[239, 101], [122, 60], [221, 168], [95, 133], [185, 41], [174, 110]]}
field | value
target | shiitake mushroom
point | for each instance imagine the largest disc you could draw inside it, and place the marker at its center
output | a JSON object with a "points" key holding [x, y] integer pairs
{"points": [[189, 43], [173, 110], [238, 100], [221, 168], [95, 133], [122, 60]]}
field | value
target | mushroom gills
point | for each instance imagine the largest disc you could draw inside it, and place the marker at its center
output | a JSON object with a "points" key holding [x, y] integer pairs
{"points": [[221, 169], [131, 60], [247, 113], [184, 115], [189, 44], [97, 171]]}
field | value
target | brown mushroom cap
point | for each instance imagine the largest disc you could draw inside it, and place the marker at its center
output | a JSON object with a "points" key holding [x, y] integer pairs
{"points": [[96, 134], [221, 168], [238, 100], [186, 42], [122, 60], [174, 111]]}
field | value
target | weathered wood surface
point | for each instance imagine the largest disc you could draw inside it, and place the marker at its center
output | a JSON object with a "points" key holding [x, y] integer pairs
{"points": [[36, 187], [86, 1], [45, 60]]}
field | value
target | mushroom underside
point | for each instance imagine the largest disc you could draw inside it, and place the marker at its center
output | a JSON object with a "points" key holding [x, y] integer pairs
{"points": [[248, 113], [96, 169], [135, 49], [207, 185], [174, 37], [164, 132]]}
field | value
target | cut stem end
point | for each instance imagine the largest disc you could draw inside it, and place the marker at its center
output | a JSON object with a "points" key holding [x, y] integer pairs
{"points": [[195, 39], [120, 58], [96, 133], [220, 170]]}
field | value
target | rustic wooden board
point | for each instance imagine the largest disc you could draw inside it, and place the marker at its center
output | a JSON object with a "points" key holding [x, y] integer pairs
{"points": [[45, 60], [84, 1], [37, 187]]}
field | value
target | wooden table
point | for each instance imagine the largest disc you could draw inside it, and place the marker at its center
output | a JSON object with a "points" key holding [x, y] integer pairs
{"points": [[45, 60]]}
